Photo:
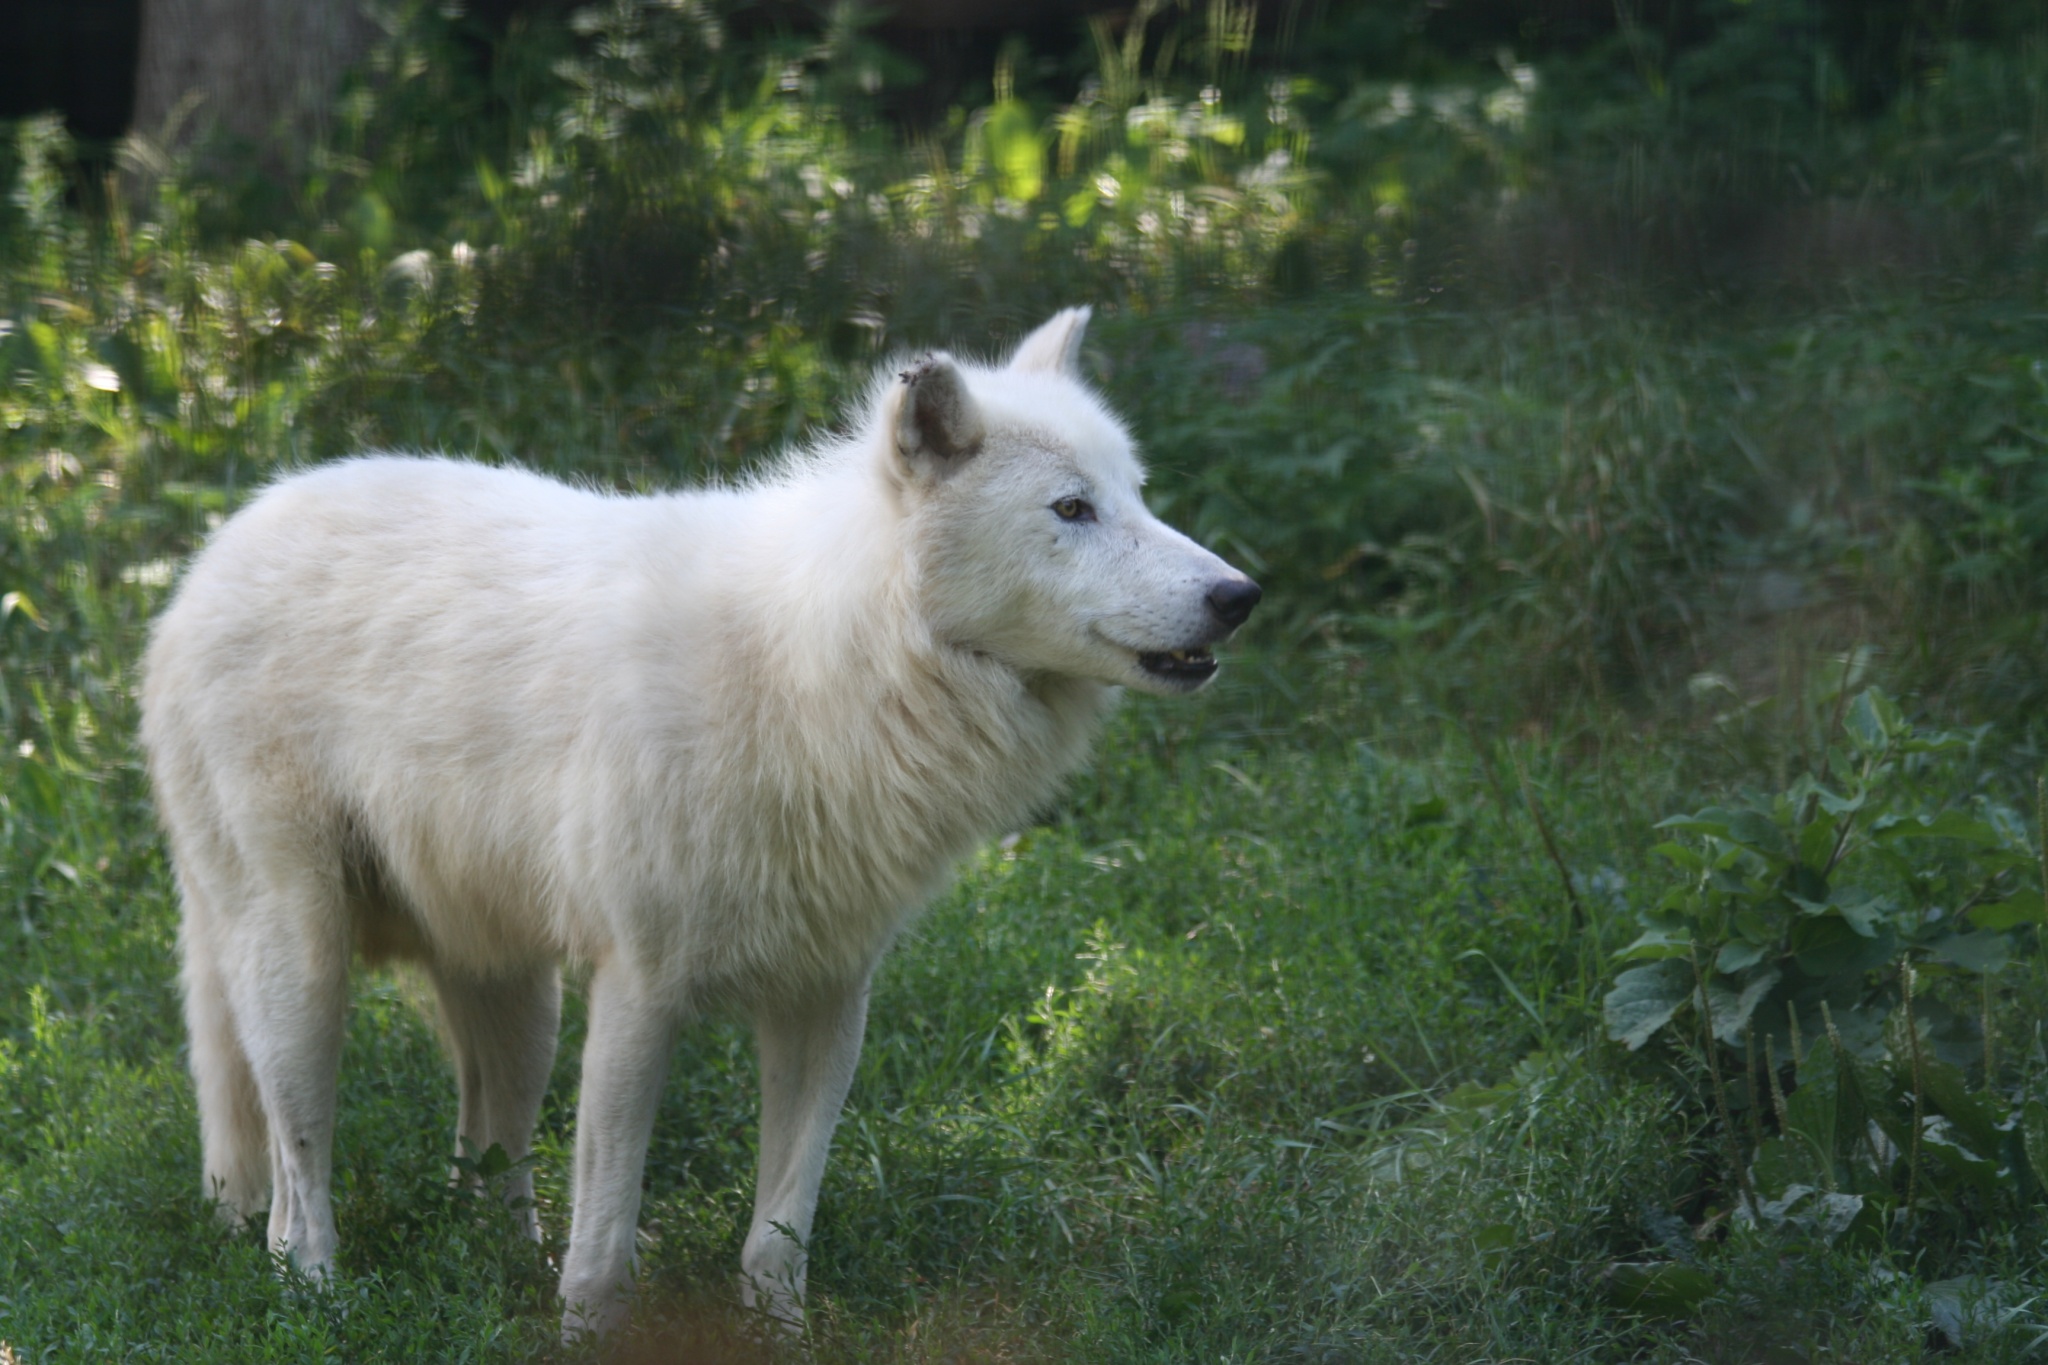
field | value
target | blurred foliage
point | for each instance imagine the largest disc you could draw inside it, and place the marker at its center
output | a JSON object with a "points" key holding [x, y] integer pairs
{"points": [[1578, 395], [1415, 350], [1853, 928]]}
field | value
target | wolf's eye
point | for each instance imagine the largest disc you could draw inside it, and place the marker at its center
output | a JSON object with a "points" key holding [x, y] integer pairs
{"points": [[1074, 509]]}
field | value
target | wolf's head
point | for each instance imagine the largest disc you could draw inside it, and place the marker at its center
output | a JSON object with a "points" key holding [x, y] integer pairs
{"points": [[1032, 538]]}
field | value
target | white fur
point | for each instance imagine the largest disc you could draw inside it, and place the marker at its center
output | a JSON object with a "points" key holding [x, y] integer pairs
{"points": [[718, 744]]}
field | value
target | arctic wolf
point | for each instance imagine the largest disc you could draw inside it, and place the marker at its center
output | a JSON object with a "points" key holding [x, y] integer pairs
{"points": [[718, 745]]}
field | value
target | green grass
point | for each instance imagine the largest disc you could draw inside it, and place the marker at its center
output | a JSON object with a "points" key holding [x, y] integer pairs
{"points": [[1166, 1079], [1280, 1038]]}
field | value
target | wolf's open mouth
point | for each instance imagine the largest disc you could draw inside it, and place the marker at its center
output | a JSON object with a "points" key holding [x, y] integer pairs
{"points": [[1179, 665]]}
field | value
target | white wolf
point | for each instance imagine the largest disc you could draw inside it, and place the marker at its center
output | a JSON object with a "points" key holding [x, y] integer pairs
{"points": [[719, 745]]}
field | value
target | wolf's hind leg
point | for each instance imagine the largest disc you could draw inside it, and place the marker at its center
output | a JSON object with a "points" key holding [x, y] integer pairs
{"points": [[233, 1134], [285, 962], [502, 1032]]}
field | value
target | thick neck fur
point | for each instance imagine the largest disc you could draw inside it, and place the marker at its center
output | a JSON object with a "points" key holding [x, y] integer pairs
{"points": [[867, 755]]}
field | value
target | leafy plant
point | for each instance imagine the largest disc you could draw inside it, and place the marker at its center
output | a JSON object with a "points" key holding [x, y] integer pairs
{"points": [[1831, 949]]}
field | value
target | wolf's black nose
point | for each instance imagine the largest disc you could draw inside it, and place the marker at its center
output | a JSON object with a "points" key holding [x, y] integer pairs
{"points": [[1233, 599]]}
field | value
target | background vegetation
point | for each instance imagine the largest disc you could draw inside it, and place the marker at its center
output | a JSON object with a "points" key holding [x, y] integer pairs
{"points": [[1642, 420]]}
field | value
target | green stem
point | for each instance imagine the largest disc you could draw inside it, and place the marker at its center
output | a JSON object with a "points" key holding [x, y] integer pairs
{"points": [[1699, 982], [1913, 1041]]}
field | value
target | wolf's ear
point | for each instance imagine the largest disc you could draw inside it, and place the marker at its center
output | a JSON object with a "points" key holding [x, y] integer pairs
{"points": [[938, 420], [1055, 348]]}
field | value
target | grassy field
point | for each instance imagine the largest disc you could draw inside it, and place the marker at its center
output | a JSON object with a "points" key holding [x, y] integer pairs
{"points": [[1300, 1030]]}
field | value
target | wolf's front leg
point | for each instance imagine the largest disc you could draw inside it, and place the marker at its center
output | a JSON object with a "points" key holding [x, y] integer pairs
{"points": [[808, 1053], [632, 1032]]}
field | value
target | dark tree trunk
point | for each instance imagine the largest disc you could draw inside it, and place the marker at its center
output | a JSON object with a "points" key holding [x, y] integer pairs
{"points": [[262, 72]]}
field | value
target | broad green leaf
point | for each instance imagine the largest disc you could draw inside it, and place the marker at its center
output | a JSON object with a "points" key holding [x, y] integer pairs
{"points": [[1644, 999], [1713, 820], [1950, 1155], [1733, 957], [1949, 824], [1864, 723], [1977, 1114], [1833, 1215], [1865, 913], [1758, 832], [1946, 741], [1802, 880], [1656, 944], [2014, 829], [1986, 951], [1689, 859], [1829, 947], [1790, 1192], [1732, 1009], [1861, 1028], [1816, 843], [1754, 927], [1777, 1167], [1971, 829], [1970, 1309], [2004, 858], [1860, 910], [1838, 805], [2024, 907]]}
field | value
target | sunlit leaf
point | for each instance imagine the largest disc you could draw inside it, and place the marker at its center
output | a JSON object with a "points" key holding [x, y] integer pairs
{"points": [[1015, 149], [1644, 999]]}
